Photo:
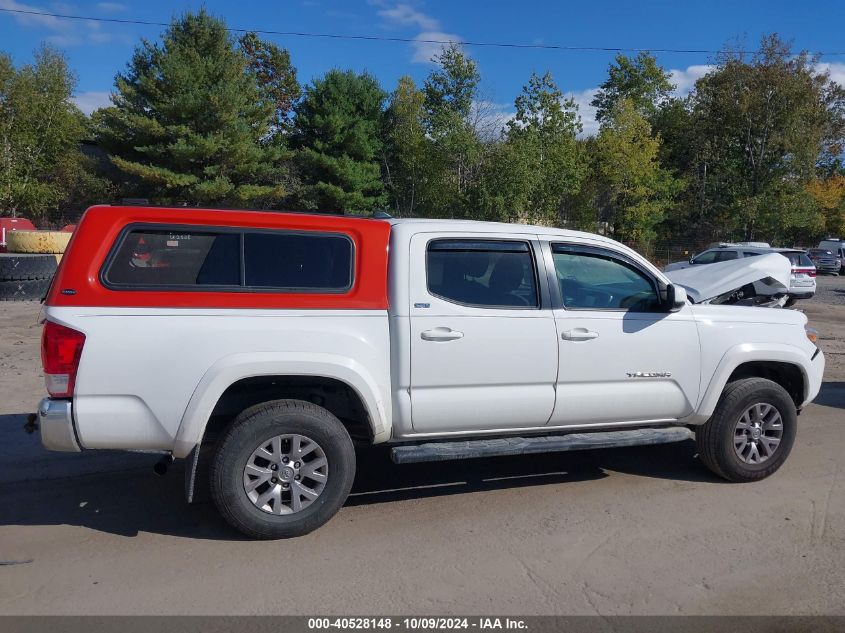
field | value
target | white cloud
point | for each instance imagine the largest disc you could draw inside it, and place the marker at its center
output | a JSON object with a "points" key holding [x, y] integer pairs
{"points": [[684, 80], [586, 111], [44, 21], [111, 7], [425, 50], [90, 101], [835, 69], [63, 33], [405, 15]]}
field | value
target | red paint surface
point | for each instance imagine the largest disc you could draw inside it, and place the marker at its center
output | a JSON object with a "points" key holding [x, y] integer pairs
{"points": [[7, 225], [100, 226]]}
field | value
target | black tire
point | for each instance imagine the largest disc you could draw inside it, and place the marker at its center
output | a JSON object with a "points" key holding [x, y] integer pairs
{"points": [[790, 301], [24, 290], [258, 425], [20, 266], [715, 438]]}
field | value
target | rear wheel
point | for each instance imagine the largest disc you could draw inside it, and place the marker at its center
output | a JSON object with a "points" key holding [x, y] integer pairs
{"points": [[283, 469], [751, 431]]}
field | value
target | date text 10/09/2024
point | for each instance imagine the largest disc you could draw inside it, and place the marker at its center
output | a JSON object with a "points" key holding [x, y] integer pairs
{"points": [[418, 623]]}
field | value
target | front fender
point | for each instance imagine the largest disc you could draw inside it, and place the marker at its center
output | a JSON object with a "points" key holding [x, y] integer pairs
{"points": [[230, 369], [750, 352]]}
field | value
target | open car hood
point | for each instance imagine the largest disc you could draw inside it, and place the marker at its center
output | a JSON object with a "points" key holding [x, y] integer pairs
{"points": [[769, 276]]}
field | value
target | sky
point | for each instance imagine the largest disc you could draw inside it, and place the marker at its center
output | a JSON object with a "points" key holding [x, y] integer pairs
{"points": [[97, 51]]}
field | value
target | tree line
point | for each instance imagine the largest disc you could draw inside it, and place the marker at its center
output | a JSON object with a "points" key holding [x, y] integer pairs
{"points": [[199, 117]]}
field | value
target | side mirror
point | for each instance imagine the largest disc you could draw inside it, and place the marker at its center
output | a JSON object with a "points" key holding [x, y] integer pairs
{"points": [[692, 259], [676, 298]]}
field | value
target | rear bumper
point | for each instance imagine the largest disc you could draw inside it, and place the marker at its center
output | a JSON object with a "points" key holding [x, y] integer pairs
{"points": [[801, 293], [55, 420]]}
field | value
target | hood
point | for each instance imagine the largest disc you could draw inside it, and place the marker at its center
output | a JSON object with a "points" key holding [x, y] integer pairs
{"points": [[769, 274]]}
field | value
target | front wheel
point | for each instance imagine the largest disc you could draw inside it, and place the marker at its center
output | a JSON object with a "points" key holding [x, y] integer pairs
{"points": [[283, 469], [751, 432]]}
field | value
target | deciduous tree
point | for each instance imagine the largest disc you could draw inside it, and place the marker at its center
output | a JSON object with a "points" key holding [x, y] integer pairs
{"points": [[633, 191], [763, 125], [40, 131], [539, 162], [450, 91], [407, 154], [641, 80]]}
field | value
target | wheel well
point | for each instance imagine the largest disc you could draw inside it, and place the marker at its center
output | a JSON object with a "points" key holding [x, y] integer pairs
{"points": [[786, 375], [335, 396]]}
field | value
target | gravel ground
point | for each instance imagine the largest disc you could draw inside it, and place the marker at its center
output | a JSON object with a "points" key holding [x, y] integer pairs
{"points": [[829, 289]]}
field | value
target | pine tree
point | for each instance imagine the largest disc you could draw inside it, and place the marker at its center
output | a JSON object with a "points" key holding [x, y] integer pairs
{"points": [[190, 123], [338, 143]]}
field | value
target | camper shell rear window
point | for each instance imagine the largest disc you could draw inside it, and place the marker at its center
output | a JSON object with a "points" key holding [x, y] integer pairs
{"points": [[201, 258]]}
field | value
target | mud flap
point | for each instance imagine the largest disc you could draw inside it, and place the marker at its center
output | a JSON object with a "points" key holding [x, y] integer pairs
{"points": [[196, 474]]}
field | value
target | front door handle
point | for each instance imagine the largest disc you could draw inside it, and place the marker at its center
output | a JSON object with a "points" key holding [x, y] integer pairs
{"points": [[579, 334], [441, 334]]}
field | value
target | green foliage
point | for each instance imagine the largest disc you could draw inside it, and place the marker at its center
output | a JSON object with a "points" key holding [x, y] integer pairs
{"points": [[40, 129], [192, 123], [633, 190], [761, 127], [338, 143], [274, 74], [450, 93], [640, 80], [539, 163], [829, 196], [406, 155]]}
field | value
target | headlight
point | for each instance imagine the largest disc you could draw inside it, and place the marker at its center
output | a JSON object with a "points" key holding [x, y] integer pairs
{"points": [[812, 334]]}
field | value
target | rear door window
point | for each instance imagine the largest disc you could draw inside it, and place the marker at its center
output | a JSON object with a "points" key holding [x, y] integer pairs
{"points": [[489, 273], [707, 257]]}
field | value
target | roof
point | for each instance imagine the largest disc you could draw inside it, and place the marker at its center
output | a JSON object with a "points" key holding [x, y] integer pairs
{"points": [[435, 224], [757, 249]]}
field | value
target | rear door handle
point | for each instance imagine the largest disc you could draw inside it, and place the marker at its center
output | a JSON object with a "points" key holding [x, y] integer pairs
{"points": [[441, 334], [579, 334]]}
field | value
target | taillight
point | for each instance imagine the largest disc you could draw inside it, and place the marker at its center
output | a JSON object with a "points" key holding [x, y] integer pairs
{"points": [[61, 349]]}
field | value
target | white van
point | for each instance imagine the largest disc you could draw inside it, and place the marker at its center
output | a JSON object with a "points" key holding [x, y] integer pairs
{"points": [[837, 247]]}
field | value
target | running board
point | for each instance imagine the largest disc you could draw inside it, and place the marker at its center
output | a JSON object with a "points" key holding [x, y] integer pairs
{"points": [[471, 449]]}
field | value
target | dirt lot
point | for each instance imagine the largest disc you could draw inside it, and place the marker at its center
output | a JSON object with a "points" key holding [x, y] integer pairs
{"points": [[625, 531]]}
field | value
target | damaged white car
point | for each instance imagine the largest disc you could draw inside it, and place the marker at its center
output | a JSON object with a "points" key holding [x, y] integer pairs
{"points": [[754, 281]]}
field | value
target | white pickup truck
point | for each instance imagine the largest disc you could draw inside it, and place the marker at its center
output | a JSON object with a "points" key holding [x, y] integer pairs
{"points": [[262, 346]]}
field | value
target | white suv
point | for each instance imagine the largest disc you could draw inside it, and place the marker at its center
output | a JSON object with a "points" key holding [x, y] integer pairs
{"points": [[802, 283]]}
